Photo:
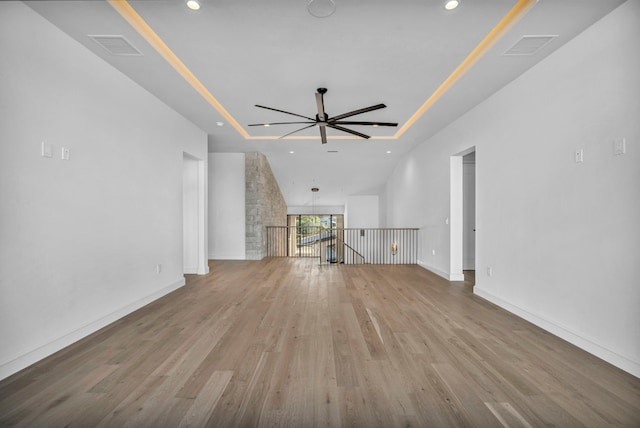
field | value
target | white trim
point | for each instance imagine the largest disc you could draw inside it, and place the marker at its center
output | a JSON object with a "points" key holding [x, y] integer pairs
{"points": [[456, 277], [443, 274], [201, 211], [455, 217], [9, 367], [621, 361], [203, 260]]}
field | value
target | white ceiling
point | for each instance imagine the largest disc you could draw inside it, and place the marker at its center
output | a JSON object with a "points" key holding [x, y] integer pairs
{"points": [[275, 53]]}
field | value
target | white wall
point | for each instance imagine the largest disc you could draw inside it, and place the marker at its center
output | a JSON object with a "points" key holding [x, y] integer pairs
{"points": [[382, 208], [80, 240], [562, 238], [310, 210], [362, 211], [227, 206]]}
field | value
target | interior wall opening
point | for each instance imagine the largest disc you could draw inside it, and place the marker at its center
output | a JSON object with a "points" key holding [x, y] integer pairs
{"points": [[469, 216], [462, 215]]}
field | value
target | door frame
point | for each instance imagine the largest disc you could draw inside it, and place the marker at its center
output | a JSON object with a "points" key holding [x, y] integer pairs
{"points": [[195, 210], [456, 215]]}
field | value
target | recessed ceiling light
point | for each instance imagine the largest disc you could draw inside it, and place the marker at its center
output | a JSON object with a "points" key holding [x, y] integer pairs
{"points": [[451, 4], [321, 8], [388, 152], [193, 4], [291, 152], [220, 123]]}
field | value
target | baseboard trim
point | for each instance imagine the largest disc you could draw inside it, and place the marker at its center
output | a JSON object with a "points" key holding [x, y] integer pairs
{"points": [[456, 277], [622, 362], [443, 274], [7, 368]]}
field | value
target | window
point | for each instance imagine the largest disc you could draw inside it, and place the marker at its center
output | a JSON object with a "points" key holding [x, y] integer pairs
{"points": [[310, 233]]}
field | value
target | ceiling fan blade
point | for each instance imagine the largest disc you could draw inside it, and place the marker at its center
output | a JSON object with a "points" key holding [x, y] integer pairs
{"points": [[323, 134], [347, 122], [286, 112], [355, 112], [298, 130], [276, 123], [320, 102], [322, 120], [349, 131]]}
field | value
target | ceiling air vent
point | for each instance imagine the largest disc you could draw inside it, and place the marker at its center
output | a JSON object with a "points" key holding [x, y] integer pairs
{"points": [[116, 45], [529, 45]]}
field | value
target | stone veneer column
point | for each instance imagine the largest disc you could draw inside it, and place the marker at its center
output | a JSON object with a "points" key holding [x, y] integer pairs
{"points": [[264, 204]]}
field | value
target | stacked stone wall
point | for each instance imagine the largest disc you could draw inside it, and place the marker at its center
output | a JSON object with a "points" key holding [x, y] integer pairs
{"points": [[264, 204]]}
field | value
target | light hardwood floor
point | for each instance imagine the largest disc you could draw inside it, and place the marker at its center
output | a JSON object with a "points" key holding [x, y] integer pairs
{"points": [[289, 343]]}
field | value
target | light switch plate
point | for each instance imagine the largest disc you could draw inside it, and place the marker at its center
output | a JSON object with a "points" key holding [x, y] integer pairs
{"points": [[47, 150], [619, 146]]}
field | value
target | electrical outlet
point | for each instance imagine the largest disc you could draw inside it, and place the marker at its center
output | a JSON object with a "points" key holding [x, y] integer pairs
{"points": [[65, 153], [579, 155]]}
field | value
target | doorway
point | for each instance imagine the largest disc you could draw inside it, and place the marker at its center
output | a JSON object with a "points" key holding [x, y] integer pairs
{"points": [[462, 222], [469, 217], [316, 236], [469, 212]]}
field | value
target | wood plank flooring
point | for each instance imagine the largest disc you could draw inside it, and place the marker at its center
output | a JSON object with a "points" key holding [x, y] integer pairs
{"points": [[290, 343]]}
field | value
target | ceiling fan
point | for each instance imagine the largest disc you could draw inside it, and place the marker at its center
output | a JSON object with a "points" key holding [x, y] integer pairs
{"points": [[322, 119]]}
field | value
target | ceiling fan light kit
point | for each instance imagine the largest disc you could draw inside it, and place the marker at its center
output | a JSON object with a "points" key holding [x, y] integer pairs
{"points": [[322, 120]]}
